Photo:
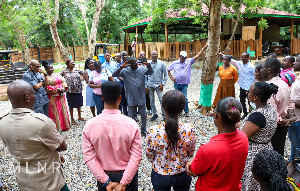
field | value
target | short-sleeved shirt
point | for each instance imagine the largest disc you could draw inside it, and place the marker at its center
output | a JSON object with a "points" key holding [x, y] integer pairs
{"points": [[258, 119], [41, 97], [229, 73], [73, 80], [220, 163], [164, 160], [99, 78], [32, 138], [246, 71], [182, 71]]}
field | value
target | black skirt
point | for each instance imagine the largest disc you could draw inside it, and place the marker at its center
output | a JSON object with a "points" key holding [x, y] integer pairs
{"points": [[75, 100]]}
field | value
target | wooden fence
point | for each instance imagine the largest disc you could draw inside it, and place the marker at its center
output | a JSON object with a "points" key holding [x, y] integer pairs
{"points": [[172, 49], [296, 46]]}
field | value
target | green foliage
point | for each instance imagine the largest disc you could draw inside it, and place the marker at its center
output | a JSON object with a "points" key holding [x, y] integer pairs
{"points": [[262, 24]]}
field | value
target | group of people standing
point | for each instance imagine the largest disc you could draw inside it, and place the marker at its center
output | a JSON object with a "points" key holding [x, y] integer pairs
{"points": [[112, 142]]}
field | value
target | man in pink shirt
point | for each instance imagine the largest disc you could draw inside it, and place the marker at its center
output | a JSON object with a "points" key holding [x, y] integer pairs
{"points": [[294, 130], [112, 145], [270, 70]]}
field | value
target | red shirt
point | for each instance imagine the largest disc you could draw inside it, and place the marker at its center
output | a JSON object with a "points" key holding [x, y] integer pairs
{"points": [[220, 163]]}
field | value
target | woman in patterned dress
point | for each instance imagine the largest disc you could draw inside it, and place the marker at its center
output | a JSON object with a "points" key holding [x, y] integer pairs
{"points": [[74, 78], [88, 69], [170, 145], [55, 87], [259, 126]]}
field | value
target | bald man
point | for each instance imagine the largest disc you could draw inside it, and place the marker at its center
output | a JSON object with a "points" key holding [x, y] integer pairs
{"points": [[36, 80], [33, 140]]}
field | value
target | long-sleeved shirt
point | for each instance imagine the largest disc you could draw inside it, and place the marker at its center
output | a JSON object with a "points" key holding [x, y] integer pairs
{"points": [[159, 76], [112, 142], [295, 95], [281, 100], [134, 83], [246, 74], [182, 71]]}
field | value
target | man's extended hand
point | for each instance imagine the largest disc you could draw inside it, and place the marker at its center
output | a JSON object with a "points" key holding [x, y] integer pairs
{"points": [[125, 64], [161, 87], [111, 186], [188, 168], [120, 187]]}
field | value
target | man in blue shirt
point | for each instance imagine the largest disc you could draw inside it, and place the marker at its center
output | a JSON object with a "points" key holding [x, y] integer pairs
{"points": [[36, 80], [246, 78], [155, 83], [108, 64]]}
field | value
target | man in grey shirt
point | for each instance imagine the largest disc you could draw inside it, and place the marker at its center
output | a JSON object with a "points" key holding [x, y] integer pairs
{"points": [[155, 83], [134, 83]]}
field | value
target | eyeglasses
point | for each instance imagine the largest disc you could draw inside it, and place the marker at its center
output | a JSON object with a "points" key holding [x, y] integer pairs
{"points": [[36, 66]]}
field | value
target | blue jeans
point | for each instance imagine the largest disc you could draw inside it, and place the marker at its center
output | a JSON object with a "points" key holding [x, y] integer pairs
{"points": [[179, 182], [132, 186], [294, 137], [99, 103], [183, 89]]}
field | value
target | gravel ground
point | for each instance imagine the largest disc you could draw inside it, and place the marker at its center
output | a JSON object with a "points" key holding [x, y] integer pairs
{"points": [[77, 174]]}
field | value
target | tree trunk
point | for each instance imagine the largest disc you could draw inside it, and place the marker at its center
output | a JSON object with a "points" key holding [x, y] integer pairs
{"points": [[74, 43], [210, 61], [22, 40], [53, 28], [67, 43], [236, 23], [86, 26], [2, 44], [92, 40], [25, 51]]}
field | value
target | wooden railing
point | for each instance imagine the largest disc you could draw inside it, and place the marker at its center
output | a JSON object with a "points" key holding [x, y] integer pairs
{"points": [[172, 49]]}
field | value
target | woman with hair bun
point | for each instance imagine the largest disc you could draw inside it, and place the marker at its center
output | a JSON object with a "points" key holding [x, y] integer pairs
{"points": [[56, 86], [270, 171], [259, 126], [220, 163], [170, 145], [228, 75]]}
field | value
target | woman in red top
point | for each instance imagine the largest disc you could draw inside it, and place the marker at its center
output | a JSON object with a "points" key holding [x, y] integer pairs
{"points": [[220, 163]]}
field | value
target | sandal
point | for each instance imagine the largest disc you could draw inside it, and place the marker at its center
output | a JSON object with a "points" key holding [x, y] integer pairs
{"points": [[73, 122], [81, 119]]}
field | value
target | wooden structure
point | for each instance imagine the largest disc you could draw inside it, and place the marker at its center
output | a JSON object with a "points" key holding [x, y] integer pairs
{"points": [[185, 25]]}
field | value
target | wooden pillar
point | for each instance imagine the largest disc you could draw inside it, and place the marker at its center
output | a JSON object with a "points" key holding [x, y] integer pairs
{"points": [[166, 44], [125, 42], [292, 37], [187, 48], [177, 49], [297, 31], [166, 32], [128, 43], [175, 37], [136, 42]]}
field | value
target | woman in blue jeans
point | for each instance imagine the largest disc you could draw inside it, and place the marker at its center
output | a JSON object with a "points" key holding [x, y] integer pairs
{"points": [[99, 76], [170, 145]]}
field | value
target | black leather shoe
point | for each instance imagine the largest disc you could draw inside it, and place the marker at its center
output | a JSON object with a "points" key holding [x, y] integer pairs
{"points": [[155, 116]]}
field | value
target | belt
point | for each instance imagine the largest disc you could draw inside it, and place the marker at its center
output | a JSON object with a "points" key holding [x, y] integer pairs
{"points": [[114, 172]]}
